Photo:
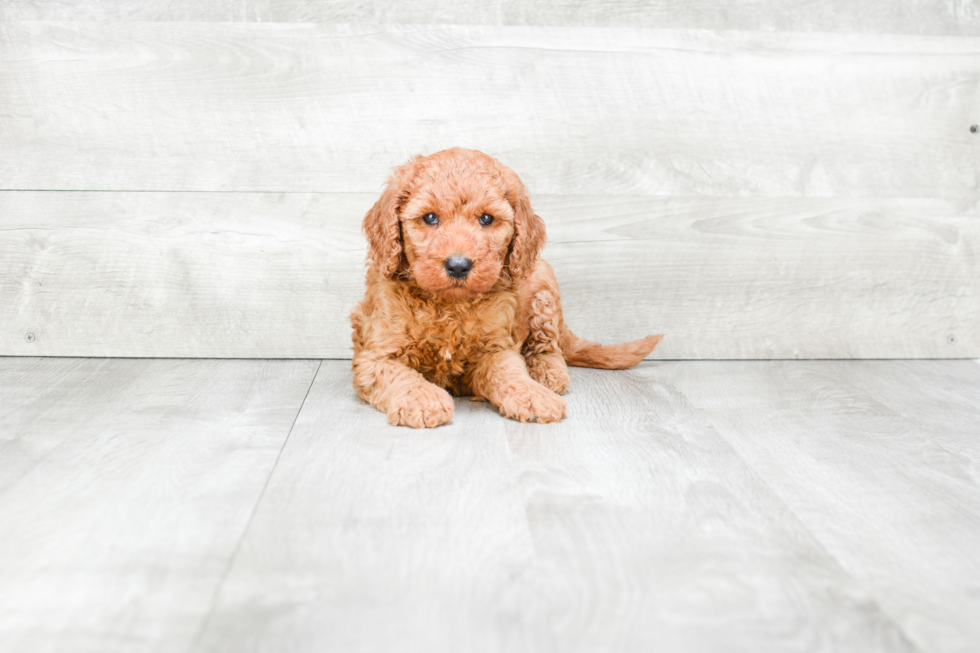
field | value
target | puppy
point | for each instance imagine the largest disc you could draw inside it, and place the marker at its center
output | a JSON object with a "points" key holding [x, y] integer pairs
{"points": [[458, 301]]}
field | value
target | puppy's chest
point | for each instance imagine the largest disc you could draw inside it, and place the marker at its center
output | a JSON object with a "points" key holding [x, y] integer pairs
{"points": [[444, 344], [446, 348]]}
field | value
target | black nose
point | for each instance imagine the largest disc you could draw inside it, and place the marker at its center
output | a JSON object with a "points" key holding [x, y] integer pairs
{"points": [[458, 266]]}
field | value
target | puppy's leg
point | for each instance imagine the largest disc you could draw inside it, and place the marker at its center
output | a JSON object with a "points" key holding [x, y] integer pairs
{"points": [[542, 349], [502, 377], [542, 311], [401, 392]]}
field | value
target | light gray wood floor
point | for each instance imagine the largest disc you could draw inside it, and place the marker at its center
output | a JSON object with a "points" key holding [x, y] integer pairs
{"points": [[229, 505]]}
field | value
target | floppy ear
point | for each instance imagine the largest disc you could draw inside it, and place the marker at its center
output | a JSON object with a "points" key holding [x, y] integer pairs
{"points": [[529, 233], [382, 228]]}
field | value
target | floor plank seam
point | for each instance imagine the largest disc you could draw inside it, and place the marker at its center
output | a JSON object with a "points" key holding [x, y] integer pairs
{"points": [[53, 451], [248, 524], [816, 540]]}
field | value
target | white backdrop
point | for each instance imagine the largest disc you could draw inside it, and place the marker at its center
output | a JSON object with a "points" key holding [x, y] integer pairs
{"points": [[760, 182]]}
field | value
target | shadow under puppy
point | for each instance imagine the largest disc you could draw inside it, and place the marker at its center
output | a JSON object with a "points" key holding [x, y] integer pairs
{"points": [[458, 300]]}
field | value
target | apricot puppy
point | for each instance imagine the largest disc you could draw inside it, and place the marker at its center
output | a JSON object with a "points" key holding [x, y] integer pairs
{"points": [[458, 301]]}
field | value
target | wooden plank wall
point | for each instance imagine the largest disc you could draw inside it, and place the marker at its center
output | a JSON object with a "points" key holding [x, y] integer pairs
{"points": [[183, 179], [872, 16]]}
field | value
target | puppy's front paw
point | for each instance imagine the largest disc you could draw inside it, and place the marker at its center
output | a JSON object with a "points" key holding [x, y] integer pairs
{"points": [[424, 405], [532, 402]]}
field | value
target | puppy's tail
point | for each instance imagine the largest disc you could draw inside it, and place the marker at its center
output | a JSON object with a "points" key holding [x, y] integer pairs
{"points": [[582, 353]]}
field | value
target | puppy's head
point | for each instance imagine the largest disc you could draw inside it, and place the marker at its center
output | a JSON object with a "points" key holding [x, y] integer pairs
{"points": [[454, 222]]}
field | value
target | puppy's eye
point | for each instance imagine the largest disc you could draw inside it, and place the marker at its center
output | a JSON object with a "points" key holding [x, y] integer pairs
{"points": [[486, 219], [430, 218]]}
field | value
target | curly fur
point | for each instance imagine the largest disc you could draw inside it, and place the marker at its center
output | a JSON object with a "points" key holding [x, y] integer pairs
{"points": [[498, 334]]}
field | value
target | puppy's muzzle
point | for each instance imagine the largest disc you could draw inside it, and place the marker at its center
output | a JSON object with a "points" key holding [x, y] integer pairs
{"points": [[458, 266]]}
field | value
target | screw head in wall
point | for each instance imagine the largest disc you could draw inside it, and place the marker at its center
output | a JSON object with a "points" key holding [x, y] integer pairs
{"points": [[29, 337], [951, 340], [974, 129]]}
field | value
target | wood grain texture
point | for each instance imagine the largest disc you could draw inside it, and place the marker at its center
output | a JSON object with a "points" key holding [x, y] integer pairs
{"points": [[694, 506], [871, 16], [376, 537], [879, 461], [252, 275], [181, 274], [125, 486], [306, 107], [630, 526]]}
